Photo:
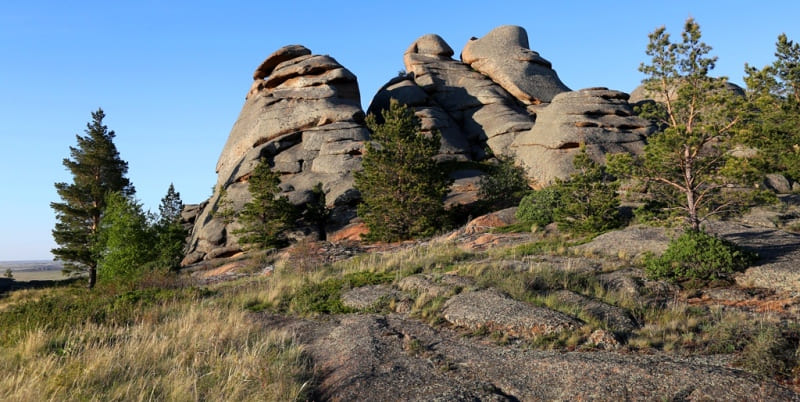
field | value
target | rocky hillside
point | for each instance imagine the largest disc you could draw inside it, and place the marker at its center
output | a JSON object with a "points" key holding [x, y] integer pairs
{"points": [[480, 315], [303, 115]]}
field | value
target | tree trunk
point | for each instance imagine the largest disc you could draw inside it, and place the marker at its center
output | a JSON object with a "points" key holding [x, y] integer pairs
{"points": [[694, 221], [92, 277]]}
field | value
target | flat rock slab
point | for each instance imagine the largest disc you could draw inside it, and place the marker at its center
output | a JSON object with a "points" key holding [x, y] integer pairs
{"points": [[423, 285], [618, 319], [368, 357], [368, 296], [631, 242], [495, 311]]}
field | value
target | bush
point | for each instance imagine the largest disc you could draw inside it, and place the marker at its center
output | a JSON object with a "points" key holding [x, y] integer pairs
{"points": [[698, 255], [126, 242], [590, 202], [504, 185], [539, 206], [585, 203]]}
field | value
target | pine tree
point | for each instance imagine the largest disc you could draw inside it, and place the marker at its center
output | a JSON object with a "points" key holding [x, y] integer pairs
{"points": [[686, 158], [267, 217], [402, 187], [97, 170], [126, 240], [170, 234], [773, 120]]}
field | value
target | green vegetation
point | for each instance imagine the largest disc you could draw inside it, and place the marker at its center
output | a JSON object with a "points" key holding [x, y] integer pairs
{"points": [[589, 199], [325, 297], [586, 203], [126, 241], [131, 244], [540, 206], [97, 170], [267, 217], [772, 123], [504, 185], [684, 162], [170, 233], [698, 255], [402, 186]]}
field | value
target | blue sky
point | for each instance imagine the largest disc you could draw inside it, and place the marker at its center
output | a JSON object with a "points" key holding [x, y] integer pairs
{"points": [[172, 75]]}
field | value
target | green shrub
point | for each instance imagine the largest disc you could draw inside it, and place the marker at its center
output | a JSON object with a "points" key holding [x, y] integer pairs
{"points": [[698, 255], [325, 297], [504, 185], [589, 198], [585, 203], [539, 207]]}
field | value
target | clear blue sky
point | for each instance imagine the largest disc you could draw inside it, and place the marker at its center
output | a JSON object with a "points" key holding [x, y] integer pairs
{"points": [[172, 75]]}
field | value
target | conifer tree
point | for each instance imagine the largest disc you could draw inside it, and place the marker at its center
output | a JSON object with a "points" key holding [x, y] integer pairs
{"points": [[402, 186], [126, 240], [97, 170], [698, 113], [773, 120], [170, 234], [267, 217]]}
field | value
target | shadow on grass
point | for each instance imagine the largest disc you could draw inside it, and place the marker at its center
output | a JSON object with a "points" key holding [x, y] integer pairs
{"points": [[9, 284]]}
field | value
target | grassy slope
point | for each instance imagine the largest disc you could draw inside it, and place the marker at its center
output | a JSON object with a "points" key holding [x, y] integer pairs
{"points": [[167, 340]]}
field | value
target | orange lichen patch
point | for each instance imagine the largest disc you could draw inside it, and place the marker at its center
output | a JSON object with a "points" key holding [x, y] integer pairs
{"points": [[771, 305], [352, 232], [223, 269]]}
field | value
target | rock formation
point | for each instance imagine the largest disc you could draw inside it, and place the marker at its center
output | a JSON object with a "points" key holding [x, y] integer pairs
{"points": [[641, 93], [600, 118], [505, 56], [303, 115], [507, 98]]}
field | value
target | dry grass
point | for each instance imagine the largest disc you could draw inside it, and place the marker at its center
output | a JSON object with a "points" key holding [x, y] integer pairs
{"points": [[177, 351]]}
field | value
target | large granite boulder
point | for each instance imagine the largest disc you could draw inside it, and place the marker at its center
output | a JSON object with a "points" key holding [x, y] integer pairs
{"points": [[642, 94], [484, 112], [505, 56], [600, 118], [303, 115], [455, 144]]}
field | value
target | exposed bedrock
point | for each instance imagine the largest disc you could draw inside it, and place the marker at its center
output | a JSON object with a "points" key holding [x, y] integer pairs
{"points": [[600, 118], [303, 115], [468, 108], [505, 56]]}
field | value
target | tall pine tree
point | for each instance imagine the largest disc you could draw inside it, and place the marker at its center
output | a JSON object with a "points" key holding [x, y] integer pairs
{"points": [[97, 170], [684, 162], [402, 186]]}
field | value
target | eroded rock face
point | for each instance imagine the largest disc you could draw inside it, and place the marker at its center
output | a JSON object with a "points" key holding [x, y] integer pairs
{"points": [[505, 97], [468, 108], [600, 118], [303, 115], [505, 56]]}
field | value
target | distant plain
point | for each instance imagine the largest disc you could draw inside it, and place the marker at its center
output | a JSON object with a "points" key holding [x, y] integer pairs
{"points": [[38, 270]]}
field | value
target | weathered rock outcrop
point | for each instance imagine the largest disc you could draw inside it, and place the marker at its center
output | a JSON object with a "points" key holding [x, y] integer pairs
{"points": [[468, 108], [600, 118], [506, 97], [505, 56], [303, 115], [641, 94]]}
